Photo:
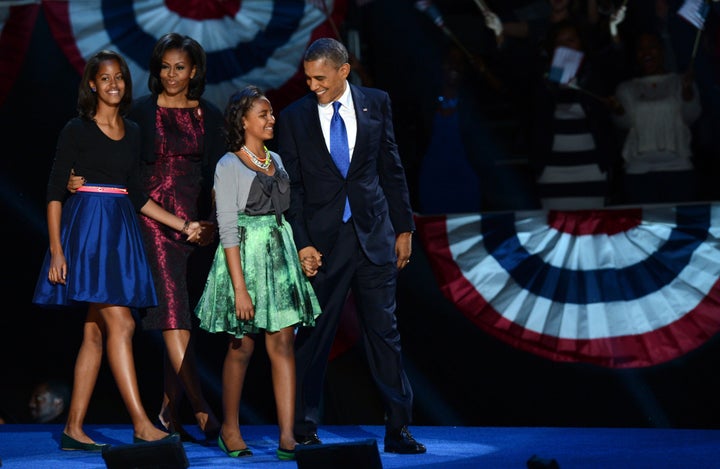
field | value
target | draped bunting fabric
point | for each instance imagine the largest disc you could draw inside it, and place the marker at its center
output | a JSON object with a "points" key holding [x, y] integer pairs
{"points": [[16, 25], [619, 288], [247, 41]]}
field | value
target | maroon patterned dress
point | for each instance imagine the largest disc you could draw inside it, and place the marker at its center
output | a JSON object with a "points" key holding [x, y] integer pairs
{"points": [[173, 181]]}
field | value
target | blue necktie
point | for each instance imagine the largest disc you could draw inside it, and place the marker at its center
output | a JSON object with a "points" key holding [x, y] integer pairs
{"points": [[339, 149]]}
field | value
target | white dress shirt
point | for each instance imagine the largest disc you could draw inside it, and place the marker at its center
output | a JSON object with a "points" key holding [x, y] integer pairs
{"points": [[347, 112]]}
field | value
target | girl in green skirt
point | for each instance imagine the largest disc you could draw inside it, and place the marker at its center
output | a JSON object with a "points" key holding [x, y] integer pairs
{"points": [[256, 284]]}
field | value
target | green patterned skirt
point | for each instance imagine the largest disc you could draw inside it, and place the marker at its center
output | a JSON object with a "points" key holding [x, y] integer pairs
{"points": [[280, 291]]}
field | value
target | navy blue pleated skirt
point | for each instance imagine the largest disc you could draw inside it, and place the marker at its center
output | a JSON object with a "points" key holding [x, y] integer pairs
{"points": [[105, 255]]}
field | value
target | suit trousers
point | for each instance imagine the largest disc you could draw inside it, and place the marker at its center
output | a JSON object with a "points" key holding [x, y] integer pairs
{"points": [[374, 288]]}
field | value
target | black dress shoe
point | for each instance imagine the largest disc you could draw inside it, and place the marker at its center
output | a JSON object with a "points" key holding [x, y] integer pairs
{"points": [[402, 442], [185, 437], [308, 440]]}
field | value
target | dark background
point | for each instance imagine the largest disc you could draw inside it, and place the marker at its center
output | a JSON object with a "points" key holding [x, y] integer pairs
{"points": [[461, 376]]}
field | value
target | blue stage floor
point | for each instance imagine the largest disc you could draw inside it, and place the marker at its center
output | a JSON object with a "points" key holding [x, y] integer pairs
{"points": [[36, 446]]}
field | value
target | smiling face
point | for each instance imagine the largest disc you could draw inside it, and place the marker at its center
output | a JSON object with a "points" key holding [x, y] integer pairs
{"points": [[176, 71], [325, 79], [259, 122], [109, 83]]}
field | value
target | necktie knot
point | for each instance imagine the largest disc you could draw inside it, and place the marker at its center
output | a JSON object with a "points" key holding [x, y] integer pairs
{"points": [[336, 109]]}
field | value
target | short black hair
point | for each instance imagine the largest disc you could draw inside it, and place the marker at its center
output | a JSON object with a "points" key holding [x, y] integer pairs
{"points": [[327, 48]]}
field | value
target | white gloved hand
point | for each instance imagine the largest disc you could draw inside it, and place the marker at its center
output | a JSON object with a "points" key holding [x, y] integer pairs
{"points": [[617, 18], [493, 22]]}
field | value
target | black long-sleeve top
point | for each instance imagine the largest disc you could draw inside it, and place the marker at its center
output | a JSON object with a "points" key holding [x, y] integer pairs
{"points": [[82, 146]]}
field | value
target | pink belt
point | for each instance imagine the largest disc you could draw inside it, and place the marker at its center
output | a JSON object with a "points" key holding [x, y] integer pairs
{"points": [[108, 190]]}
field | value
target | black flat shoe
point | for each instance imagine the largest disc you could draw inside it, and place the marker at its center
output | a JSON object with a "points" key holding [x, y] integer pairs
{"points": [[185, 437], [172, 436], [402, 442], [308, 440], [235, 453], [68, 443], [285, 454]]}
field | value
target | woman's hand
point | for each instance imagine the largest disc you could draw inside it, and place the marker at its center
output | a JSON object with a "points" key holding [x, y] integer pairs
{"points": [[612, 103], [192, 229], [207, 233]]}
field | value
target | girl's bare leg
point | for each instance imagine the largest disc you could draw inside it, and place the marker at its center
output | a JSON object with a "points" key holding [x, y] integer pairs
{"points": [[282, 361], [235, 367], [87, 368], [120, 329]]}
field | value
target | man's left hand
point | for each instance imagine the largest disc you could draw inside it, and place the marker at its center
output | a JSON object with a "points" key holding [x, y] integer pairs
{"points": [[403, 249]]}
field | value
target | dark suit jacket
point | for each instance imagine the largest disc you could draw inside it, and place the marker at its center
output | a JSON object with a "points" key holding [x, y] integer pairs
{"points": [[375, 186]]}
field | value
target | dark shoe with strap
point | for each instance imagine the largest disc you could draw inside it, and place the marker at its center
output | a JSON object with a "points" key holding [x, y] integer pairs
{"points": [[308, 440], [234, 453], [285, 454], [185, 437], [402, 442]]}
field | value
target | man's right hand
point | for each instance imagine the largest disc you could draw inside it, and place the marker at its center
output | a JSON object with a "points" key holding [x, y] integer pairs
{"points": [[74, 182]]}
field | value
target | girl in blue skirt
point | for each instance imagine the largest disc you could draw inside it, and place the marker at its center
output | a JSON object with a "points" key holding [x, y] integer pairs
{"points": [[96, 254]]}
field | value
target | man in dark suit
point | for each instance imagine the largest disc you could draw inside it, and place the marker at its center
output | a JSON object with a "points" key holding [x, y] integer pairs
{"points": [[353, 229]]}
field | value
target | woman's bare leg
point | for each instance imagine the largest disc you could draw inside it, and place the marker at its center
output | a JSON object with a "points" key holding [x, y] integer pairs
{"points": [[181, 378], [172, 395]]}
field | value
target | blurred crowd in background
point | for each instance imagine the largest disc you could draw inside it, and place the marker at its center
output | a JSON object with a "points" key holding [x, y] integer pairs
{"points": [[490, 129]]}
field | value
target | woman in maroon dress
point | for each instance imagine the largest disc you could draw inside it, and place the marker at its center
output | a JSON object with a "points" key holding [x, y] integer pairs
{"points": [[182, 141]]}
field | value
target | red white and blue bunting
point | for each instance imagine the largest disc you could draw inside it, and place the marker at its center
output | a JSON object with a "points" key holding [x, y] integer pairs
{"points": [[618, 288], [250, 41], [16, 25]]}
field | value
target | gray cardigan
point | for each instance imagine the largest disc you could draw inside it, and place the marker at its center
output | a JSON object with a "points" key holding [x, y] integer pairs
{"points": [[233, 181]]}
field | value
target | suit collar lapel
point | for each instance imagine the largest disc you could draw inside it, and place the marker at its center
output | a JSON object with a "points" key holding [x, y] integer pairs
{"points": [[362, 117]]}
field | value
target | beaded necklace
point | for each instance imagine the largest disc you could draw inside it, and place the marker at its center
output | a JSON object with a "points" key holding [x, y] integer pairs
{"points": [[263, 163]]}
